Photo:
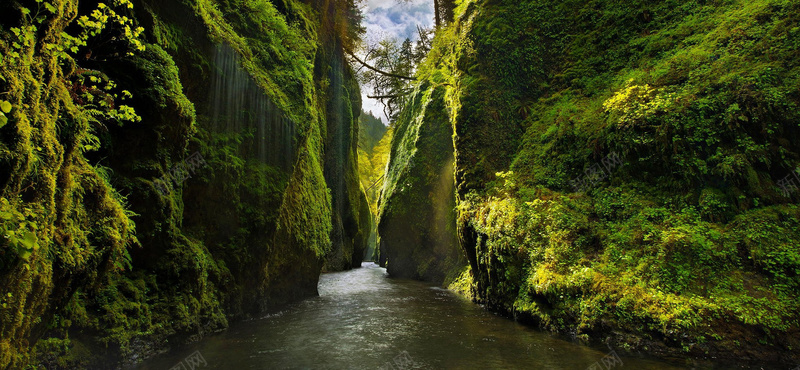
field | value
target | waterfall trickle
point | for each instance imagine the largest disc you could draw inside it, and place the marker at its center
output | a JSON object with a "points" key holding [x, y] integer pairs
{"points": [[239, 105]]}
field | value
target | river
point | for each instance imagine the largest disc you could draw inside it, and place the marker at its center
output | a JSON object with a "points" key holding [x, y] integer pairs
{"points": [[364, 320]]}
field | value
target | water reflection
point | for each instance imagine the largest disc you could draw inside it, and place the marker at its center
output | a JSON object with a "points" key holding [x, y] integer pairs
{"points": [[364, 320]]}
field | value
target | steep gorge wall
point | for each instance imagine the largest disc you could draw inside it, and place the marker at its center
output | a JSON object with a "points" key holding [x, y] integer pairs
{"points": [[125, 265], [351, 215], [621, 169], [417, 210]]}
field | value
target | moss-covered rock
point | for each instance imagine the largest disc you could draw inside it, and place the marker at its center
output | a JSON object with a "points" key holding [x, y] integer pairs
{"points": [[351, 214], [417, 222], [242, 228], [608, 158]]}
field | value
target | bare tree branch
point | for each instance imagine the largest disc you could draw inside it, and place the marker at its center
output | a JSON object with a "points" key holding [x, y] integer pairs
{"points": [[388, 74], [389, 96]]}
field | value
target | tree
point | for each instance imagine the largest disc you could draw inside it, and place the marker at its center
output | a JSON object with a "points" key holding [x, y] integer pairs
{"points": [[389, 73], [443, 11], [388, 67], [351, 28]]}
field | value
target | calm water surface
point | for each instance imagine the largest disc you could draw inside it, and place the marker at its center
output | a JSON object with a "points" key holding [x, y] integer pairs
{"points": [[364, 320]]}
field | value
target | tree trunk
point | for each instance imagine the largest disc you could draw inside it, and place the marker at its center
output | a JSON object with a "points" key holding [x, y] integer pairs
{"points": [[436, 10]]}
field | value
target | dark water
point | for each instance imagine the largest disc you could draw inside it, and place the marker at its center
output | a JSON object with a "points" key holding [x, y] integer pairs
{"points": [[364, 320]]}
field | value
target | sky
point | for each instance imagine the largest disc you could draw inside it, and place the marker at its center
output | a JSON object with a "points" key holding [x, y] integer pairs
{"points": [[395, 19]]}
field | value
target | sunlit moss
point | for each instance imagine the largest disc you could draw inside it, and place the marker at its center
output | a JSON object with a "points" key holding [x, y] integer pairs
{"points": [[252, 235], [696, 99]]}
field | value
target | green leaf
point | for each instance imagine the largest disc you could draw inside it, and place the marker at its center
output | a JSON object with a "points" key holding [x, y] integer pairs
{"points": [[29, 241], [25, 254], [50, 8], [5, 106], [3, 120]]}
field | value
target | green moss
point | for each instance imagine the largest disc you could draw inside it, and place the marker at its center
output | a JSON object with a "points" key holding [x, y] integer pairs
{"points": [[277, 54], [82, 226], [697, 100], [462, 284], [418, 235], [238, 237]]}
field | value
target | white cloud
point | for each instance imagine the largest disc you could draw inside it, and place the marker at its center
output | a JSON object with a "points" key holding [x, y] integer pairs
{"points": [[400, 21], [374, 4], [374, 106]]}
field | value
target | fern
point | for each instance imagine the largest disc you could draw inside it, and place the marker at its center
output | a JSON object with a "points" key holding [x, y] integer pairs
{"points": [[94, 113]]}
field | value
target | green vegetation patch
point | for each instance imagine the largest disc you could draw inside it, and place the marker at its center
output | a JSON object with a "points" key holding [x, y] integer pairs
{"points": [[619, 167]]}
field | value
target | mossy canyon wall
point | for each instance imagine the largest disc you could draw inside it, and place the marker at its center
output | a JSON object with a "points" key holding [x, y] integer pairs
{"points": [[619, 170], [417, 221], [168, 167]]}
